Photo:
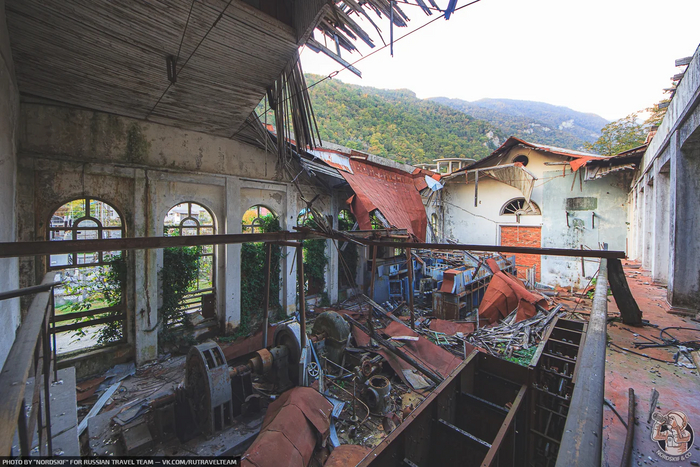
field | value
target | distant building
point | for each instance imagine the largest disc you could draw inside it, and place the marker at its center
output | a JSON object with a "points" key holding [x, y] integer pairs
{"points": [[528, 194]]}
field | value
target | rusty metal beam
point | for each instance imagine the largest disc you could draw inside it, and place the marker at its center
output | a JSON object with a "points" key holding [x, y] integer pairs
{"points": [[17, 249], [583, 432]]}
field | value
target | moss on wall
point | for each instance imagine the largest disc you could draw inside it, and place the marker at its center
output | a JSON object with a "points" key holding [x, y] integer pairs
{"points": [[137, 146]]}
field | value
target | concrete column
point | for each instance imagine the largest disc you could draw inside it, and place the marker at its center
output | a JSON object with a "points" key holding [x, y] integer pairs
{"points": [[289, 268], [333, 262], [659, 264], [231, 313], [639, 224], [145, 272], [684, 267], [648, 226]]}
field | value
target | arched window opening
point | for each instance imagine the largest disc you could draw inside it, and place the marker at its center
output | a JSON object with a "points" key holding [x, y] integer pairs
{"points": [[259, 219], [522, 158], [435, 227], [315, 260], [347, 269], [90, 307], [520, 207], [192, 219]]}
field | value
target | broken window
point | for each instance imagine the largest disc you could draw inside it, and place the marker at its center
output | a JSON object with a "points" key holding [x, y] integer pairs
{"points": [[347, 269], [90, 309], [520, 207], [190, 219], [253, 219]]}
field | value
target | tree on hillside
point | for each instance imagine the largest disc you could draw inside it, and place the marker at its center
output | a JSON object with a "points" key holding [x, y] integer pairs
{"points": [[620, 135]]}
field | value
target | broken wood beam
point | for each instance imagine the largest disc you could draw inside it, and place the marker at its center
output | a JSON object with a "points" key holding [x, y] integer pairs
{"points": [[631, 314]]}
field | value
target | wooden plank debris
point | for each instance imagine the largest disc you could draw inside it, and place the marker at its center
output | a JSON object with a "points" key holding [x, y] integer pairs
{"points": [[631, 314], [98, 406]]}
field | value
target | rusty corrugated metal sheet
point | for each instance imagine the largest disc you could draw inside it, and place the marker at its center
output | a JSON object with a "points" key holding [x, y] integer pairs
{"points": [[292, 426], [392, 191], [504, 294], [347, 455], [422, 350]]}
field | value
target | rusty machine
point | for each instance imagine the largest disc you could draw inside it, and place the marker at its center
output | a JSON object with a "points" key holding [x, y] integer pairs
{"points": [[215, 390]]}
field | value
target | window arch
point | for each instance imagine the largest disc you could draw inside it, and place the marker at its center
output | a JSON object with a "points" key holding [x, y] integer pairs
{"points": [[90, 309], [84, 219], [520, 207], [346, 221], [435, 227], [191, 219], [253, 219]]}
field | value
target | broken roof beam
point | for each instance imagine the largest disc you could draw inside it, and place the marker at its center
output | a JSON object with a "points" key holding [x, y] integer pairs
{"points": [[317, 47], [683, 61]]}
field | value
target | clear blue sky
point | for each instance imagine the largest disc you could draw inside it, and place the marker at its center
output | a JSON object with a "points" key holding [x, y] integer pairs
{"points": [[609, 57]]}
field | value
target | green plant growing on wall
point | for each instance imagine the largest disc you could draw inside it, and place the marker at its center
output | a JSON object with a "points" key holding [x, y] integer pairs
{"points": [[179, 273], [253, 279]]}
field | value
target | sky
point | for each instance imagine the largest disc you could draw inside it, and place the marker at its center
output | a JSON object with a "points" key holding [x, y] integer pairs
{"points": [[608, 57]]}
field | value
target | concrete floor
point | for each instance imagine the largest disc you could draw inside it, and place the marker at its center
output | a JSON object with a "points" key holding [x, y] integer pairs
{"points": [[679, 387]]}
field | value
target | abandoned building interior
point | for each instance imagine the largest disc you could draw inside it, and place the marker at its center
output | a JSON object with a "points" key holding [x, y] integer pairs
{"points": [[183, 273]]}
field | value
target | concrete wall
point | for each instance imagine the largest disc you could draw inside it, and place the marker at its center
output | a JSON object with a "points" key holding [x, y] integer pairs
{"points": [[144, 169], [9, 116], [611, 194], [667, 195]]}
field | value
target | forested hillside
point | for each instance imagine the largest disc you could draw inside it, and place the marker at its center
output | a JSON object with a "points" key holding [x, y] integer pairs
{"points": [[398, 125], [534, 121]]}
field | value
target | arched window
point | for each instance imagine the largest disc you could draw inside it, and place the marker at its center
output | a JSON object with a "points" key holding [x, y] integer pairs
{"points": [[90, 310], [347, 269], [188, 219], [259, 219], [435, 227], [520, 207], [253, 219]]}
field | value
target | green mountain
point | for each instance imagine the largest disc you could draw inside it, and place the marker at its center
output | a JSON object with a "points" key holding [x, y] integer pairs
{"points": [[534, 121], [396, 124]]}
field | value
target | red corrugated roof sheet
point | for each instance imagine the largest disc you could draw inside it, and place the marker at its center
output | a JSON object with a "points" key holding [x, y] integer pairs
{"points": [[392, 191]]}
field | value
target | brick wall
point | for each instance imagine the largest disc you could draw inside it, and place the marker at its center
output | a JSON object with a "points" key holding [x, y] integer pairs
{"points": [[515, 235]]}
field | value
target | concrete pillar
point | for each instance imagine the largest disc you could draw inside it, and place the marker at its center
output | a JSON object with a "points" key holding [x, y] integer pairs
{"points": [[231, 313], [333, 262], [289, 268], [684, 267], [648, 225], [659, 264], [145, 271], [639, 223]]}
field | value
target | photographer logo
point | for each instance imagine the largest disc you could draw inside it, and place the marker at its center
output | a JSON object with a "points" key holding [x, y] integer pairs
{"points": [[673, 434]]}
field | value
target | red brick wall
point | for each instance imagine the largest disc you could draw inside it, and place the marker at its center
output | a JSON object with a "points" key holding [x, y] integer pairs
{"points": [[515, 235]]}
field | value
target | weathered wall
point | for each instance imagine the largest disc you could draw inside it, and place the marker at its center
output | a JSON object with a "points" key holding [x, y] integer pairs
{"points": [[481, 224], [611, 195], [144, 169], [9, 114], [667, 194]]}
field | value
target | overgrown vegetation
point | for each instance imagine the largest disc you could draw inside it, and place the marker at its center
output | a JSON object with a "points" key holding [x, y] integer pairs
{"points": [[97, 288], [315, 262], [620, 135], [396, 124], [253, 279], [179, 274]]}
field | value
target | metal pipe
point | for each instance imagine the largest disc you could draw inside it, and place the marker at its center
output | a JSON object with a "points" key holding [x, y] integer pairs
{"points": [[583, 432], [28, 290], [410, 288], [302, 295]]}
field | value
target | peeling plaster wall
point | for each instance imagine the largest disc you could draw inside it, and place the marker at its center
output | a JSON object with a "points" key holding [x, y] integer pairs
{"points": [[611, 225], [143, 169], [9, 114]]}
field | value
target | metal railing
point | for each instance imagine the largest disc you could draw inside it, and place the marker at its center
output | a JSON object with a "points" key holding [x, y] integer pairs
{"points": [[32, 355]]}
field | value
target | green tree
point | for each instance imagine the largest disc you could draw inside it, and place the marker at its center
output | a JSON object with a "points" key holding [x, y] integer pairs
{"points": [[620, 135]]}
